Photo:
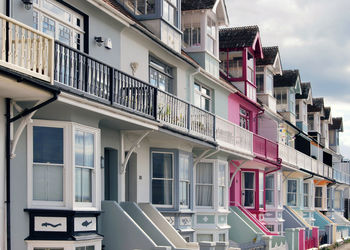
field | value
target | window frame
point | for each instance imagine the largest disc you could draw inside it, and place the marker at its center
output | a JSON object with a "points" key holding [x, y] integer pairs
{"points": [[249, 69], [173, 179], [294, 193], [202, 95], [272, 190], [187, 181], [222, 186], [210, 36], [243, 189], [306, 196], [69, 167], [205, 184], [163, 69], [319, 197], [246, 117], [38, 7]]}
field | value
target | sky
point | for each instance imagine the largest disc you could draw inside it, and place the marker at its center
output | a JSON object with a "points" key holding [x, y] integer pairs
{"points": [[314, 37]]}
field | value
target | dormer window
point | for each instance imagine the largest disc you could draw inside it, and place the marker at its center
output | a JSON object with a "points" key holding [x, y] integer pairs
{"points": [[250, 68], [281, 96], [234, 64]]}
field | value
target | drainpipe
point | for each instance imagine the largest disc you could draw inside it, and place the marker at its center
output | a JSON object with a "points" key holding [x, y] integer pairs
{"points": [[307, 178], [274, 170], [10, 120]]}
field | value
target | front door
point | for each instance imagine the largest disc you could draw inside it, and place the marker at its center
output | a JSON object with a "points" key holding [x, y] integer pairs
{"points": [[111, 174], [131, 178], [248, 189]]}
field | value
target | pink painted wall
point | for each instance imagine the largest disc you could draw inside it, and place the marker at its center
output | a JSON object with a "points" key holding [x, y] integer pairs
{"points": [[235, 189], [234, 103], [315, 235], [302, 239]]}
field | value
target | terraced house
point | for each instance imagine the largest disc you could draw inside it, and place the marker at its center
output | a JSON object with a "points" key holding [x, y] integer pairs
{"points": [[150, 124]]}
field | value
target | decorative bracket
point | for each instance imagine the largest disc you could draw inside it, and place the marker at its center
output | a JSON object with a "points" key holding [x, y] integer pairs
{"points": [[237, 169], [204, 155], [25, 121], [131, 150]]}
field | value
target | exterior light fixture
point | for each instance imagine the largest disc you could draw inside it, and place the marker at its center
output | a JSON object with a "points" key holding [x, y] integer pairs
{"points": [[99, 40], [27, 4]]}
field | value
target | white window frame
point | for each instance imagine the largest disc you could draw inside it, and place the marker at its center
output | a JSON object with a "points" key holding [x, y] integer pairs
{"points": [[225, 186], [68, 168], [202, 95], [274, 201], [296, 193], [187, 181], [74, 29], [306, 195], [172, 179], [212, 186], [210, 35], [66, 245]]}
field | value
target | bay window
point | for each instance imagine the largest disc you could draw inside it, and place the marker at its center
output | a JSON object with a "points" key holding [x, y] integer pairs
{"points": [[52, 160], [292, 192], [248, 189], [260, 83], [192, 36], [84, 165], [204, 184], [59, 21], [318, 197], [184, 180], [202, 97], [48, 163], [162, 178], [235, 64], [306, 194], [211, 35], [310, 121], [281, 96], [270, 187], [140, 7], [169, 11]]}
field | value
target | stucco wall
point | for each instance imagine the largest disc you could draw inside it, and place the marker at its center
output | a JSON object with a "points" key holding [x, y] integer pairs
{"points": [[2, 173]]}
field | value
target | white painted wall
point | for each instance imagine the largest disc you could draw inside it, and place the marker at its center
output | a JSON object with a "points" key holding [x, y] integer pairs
{"points": [[2, 173]]}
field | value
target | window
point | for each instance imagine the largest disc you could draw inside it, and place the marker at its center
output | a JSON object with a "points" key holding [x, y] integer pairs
{"points": [[222, 237], [292, 193], [292, 101], [204, 184], [202, 97], [184, 180], [270, 189], [306, 194], [318, 197], [160, 75], [204, 237], [261, 190], [211, 35], [248, 189], [281, 96], [297, 111], [329, 200], [84, 165], [310, 121], [279, 189], [269, 82], [250, 68], [48, 163], [244, 120], [337, 200], [85, 248], [162, 178], [235, 64], [58, 21], [169, 11], [222, 185], [260, 83], [140, 7], [192, 36], [271, 228]]}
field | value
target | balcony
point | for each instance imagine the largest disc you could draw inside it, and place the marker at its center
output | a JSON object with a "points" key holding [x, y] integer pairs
{"points": [[296, 159], [341, 172], [265, 148], [25, 49]]}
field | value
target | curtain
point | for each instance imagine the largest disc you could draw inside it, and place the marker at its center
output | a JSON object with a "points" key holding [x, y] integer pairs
{"points": [[204, 187]]}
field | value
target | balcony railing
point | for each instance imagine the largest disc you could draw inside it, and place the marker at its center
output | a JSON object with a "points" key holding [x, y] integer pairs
{"points": [[78, 71], [341, 176], [297, 159], [230, 135], [25, 49], [265, 148]]}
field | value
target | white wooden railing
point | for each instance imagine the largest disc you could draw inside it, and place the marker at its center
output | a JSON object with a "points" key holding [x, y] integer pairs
{"points": [[232, 136], [25, 49], [298, 159]]}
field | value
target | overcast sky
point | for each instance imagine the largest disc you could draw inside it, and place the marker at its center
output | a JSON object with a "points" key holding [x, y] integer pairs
{"points": [[314, 37]]}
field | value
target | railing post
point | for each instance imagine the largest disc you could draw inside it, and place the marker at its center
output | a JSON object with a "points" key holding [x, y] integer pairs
{"points": [[155, 103], [189, 117], [111, 85], [7, 43], [214, 127]]}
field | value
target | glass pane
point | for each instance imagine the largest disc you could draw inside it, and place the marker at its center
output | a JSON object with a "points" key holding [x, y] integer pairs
{"points": [[222, 170], [89, 150], [261, 181], [261, 198], [248, 198], [221, 196], [205, 104], [162, 82], [204, 173], [48, 183], [204, 237], [40, 183], [306, 188], [292, 186], [196, 36], [35, 20], [64, 34], [165, 10], [150, 6], [86, 185], [90, 248], [318, 202], [162, 192], [80, 248], [184, 168], [318, 191], [269, 181], [204, 194], [78, 184], [153, 77], [47, 145], [306, 201], [184, 191], [248, 180], [49, 26], [162, 165], [260, 83], [59, 12], [186, 37], [291, 199], [79, 148], [222, 237], [269, 197]]}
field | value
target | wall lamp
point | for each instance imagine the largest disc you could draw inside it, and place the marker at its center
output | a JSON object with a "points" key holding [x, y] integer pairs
{"points": [[99, 40], [107, 42], [27, 4]]}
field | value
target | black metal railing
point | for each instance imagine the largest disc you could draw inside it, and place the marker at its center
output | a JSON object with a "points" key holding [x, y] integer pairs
{"points": [[80, 72]]}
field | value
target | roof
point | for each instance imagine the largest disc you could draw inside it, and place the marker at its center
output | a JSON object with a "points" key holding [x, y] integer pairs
{"points": [[317, 105], [327, 113], [197, 4], [305, 89], [270, 54], [287, 79], [238, 37], [337, 124]]}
